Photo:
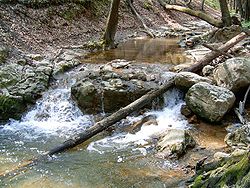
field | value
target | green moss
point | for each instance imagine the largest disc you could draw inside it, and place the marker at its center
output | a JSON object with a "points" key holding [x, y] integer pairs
{"points": [[198, 182], [10, 107], [235, 172]]}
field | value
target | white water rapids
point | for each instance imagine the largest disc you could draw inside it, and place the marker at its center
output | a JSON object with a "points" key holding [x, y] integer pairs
{"points": [[56, 115]]}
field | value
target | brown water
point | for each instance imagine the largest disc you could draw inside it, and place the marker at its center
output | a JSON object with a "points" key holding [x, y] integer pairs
{"points": [[143, 50]]}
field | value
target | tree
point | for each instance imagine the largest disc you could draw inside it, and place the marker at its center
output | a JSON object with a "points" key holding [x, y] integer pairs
{"points": [[111, 26], [226, 18]]}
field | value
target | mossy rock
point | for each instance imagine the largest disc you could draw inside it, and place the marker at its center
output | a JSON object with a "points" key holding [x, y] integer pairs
{"points": [[234, 172], [11, 107]]}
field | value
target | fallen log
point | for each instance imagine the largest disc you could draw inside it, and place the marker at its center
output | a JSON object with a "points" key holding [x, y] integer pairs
{"points": [[195, 13], [214, 54], [216, 50]]}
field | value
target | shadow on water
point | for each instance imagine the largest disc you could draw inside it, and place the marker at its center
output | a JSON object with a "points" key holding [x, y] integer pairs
{"points": [[143, 50]]}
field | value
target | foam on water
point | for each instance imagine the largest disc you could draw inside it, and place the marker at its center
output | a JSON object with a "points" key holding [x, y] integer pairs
{"points": [[169, 117], [55, 114]]}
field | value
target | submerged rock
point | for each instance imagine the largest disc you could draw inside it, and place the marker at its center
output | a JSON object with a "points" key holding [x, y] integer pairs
{"points": [[185, 80], [233, 74], [174, 143], [209, 102]]}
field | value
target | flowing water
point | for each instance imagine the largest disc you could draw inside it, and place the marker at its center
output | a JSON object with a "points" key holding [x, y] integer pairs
{"points": [[119, 159]]}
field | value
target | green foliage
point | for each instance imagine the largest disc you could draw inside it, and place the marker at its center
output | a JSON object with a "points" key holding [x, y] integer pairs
{"points": [[246, 24], [214, 4]]}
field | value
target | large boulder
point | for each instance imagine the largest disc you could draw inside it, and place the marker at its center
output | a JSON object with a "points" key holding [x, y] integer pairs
{"points": [[107, 88], [21, 83], [108, 95], [233, 74], [209, 102], [174, 143], [185, 80]]}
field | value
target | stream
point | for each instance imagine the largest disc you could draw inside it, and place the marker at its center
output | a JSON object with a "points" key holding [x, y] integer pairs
{"points": [[117, 159]]}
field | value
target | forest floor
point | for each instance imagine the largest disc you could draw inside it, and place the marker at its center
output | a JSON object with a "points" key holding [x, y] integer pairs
{"points": [[43, 30]]}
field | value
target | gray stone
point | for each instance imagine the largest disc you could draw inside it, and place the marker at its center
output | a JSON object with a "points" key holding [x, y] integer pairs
{"points": [[185, 80], [240, 137], [174, 143], [233, 74], [209, 102], [207, 70]]}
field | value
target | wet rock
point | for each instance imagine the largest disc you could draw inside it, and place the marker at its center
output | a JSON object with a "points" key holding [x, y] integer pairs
{"points": [[22, 84], [64, 65], [185, 80], [174, 143], [87, 97], [114, 88], [119, 63], [11, 107], [186, 111], [209, 102], [95, 96], [233, 74], [207, 70], [147, 120], [36, 57], [240, 137]]}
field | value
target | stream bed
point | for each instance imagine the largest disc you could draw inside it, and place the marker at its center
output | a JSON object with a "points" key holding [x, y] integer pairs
{"points": [[117, 159]]}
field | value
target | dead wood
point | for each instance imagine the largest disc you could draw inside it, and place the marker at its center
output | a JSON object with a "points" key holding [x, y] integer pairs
{"points": [[217, 50], [195, 13], [241, 110], [214, 54]]}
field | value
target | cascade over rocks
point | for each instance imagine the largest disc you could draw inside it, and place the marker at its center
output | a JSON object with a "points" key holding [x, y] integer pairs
{"points": [[209, 102], [233, 74]]}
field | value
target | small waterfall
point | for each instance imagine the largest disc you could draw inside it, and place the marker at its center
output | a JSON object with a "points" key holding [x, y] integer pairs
{"points": [[55, 114], [169, 117]]}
